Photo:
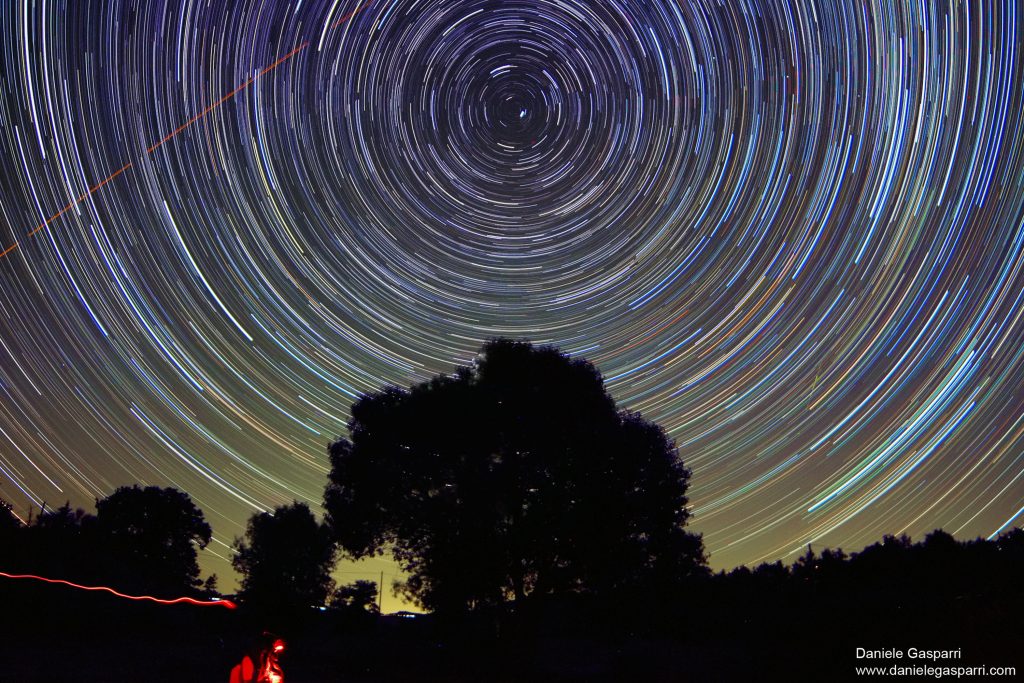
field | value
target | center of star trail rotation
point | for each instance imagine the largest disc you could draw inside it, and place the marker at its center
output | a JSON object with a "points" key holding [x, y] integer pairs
{"points": [[791, 233]]}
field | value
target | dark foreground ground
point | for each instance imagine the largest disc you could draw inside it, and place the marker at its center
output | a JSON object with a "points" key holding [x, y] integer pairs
{"points": [[52, 635]]}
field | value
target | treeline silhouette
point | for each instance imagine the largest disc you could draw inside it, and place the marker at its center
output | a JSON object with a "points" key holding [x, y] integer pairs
{"points": [[755, 623], [543, 528], [139, 540]]}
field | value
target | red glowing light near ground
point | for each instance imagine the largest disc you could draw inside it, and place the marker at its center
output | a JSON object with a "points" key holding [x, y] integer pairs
{"points": [[176, 601]]}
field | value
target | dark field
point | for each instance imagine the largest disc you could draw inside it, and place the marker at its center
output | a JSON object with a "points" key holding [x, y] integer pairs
{"points": [[56, 634]]}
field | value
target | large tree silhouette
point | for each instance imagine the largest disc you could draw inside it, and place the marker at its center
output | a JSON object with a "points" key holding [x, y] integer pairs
{"points": [[517, 477], [285, 559], [150, 537]]}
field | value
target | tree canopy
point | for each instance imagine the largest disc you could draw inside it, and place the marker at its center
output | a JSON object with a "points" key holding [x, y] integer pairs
{"points": [[141, 540], [285, 559], [359, 597], [515, 477], [151, 536]]}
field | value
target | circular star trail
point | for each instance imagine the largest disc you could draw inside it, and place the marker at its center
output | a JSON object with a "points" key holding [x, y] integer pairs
{"points": [[791, 233]]}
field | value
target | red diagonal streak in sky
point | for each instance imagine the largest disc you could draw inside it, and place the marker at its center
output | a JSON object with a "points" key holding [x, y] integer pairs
{"points": [[195, 119]]}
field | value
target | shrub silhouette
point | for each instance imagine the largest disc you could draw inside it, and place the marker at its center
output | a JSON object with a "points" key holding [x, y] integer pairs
{"points": [[359, 597], [285, 560]]}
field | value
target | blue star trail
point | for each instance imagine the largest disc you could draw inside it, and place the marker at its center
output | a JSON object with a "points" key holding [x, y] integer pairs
{"points": [[792, 233]]}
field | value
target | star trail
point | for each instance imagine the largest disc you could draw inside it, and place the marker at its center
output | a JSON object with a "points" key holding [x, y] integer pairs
{"points": [[792, 233]]}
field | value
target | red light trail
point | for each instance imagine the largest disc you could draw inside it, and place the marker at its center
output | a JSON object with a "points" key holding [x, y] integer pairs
{"points": [[176, 601]]}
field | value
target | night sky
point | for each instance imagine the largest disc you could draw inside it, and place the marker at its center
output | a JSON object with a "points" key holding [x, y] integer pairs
{"points": [[790, 233]]}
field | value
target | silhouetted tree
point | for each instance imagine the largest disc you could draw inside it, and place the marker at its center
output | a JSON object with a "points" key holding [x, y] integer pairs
{"points": [[209, 588], [56, 542], [64, 520], [12, 539], [1011, 545], [803, 568], [513, 478], [774, 571], [9, 522], [150, 537], [360, 596], [285, 559]]}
